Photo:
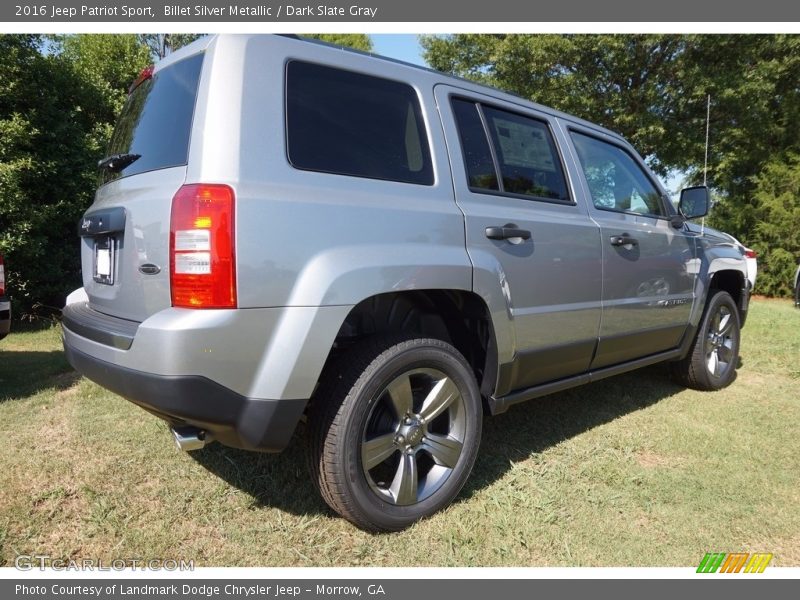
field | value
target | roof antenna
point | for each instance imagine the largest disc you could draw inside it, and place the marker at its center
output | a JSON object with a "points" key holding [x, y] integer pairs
{"points": [[705, 163]]}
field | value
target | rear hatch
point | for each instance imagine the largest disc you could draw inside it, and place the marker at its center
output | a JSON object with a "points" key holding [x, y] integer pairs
{"points": [[125, 233]]}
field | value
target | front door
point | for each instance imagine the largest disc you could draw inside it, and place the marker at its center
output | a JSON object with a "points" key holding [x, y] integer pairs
{"points": [[648, 284]]}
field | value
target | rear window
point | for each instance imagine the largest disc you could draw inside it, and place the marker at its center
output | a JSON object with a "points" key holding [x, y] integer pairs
{"points": [[508, 153], [352, 124], [157, 119]]}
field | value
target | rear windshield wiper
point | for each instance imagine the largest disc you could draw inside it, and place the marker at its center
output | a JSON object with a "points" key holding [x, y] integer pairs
{"points": [[116, 162]]}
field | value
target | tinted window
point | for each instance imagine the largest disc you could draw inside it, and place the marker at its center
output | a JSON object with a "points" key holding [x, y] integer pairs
{"points": [[157, 119], [474, 146], [526, 154], [353, 124], [616, 181]]}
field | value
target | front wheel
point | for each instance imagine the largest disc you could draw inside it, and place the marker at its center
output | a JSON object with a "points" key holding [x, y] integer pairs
{"points": [[394, 431], [714, 355]]}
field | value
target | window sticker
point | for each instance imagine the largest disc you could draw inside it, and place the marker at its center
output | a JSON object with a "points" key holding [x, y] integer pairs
{"points": [[524, 146]]}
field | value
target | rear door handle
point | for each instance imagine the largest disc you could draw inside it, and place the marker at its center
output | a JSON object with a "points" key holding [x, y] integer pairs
{"points": [[623, 240], [507, 231]]}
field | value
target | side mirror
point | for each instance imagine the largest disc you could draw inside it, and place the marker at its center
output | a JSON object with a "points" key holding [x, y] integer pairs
{"points": [[694, 202]]}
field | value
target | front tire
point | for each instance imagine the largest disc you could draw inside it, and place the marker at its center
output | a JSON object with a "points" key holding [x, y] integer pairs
{"points": [[394, 431], [714, 355]]}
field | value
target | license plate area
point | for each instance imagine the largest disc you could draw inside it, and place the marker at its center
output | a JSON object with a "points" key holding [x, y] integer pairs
{"points": [[104, 259]]}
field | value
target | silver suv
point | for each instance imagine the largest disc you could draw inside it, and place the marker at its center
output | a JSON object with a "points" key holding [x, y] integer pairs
{"points": [[287, 229]]}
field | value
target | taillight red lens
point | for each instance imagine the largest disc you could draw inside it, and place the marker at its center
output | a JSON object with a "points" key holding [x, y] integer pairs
{"points": [[202, 261], [750, 253], [2, 277]]}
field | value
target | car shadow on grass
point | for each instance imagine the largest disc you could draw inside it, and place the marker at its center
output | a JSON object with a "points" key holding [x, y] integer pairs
{"points": [[282, 481], [28, 372], [533, 427], [278, 480]]}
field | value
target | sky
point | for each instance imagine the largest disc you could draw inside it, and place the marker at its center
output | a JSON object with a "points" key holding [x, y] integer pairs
{"points": [[398, 46]]}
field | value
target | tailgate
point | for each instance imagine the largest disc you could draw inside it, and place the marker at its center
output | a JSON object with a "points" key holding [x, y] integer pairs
{"points": [[125, 233]]}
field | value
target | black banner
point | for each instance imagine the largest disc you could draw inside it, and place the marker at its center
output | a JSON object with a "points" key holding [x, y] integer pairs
{"points": [[392, 589], [463, 11]]}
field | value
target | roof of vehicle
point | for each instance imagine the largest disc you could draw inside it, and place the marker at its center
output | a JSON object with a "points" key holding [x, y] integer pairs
{"points": [[479, 87], [202, 43]]}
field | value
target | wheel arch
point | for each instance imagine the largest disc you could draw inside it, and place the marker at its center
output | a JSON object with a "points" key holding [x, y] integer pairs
{"points": [[720, 277], [731, 281], [459, 317]]}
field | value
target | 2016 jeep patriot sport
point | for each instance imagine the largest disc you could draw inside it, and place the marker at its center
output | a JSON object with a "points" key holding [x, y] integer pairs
{"points": [[288, 228]]}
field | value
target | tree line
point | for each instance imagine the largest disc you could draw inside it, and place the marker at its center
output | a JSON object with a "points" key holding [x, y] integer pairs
{"points": [[60, 96]]}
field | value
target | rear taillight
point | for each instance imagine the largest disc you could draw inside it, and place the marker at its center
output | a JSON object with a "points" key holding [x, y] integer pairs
{"points": [[750, 253], [202, 263], [2, 277]]}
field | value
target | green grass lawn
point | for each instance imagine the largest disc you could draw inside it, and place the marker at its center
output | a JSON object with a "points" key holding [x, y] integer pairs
{"points": [[633, 470]]}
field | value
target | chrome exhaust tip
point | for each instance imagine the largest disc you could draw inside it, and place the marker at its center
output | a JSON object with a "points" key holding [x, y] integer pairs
{"points": [[189, 438]]}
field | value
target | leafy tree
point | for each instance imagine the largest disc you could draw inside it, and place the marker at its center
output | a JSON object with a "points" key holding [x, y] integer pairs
{"points": [[111, 61], [162, 44], [359, 41], [776, 213], [50, 140]]}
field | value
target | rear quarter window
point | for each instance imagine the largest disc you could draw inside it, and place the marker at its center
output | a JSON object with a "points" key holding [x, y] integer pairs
{"points": [[354, 124]]}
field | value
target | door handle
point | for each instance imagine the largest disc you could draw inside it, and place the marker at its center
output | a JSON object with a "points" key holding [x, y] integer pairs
{"points": [[623, 240], [507, 231]]}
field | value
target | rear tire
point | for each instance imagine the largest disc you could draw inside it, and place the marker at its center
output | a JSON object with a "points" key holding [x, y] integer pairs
{"points": [[394, 431], [714, 355]]}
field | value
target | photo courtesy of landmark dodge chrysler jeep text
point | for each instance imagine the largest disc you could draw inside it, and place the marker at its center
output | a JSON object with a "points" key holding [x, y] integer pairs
{"points": [[287, 228]]}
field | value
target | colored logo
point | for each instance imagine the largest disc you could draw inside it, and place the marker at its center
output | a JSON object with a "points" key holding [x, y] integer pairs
{"points": [[736, 562]]}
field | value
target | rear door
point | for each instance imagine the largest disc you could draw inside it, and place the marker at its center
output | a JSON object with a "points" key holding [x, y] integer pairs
{"points": [[125, 233], [526, 228], [648, 285]]}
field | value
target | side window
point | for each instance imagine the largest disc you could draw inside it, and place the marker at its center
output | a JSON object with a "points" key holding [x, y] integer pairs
{"points": [[474, 146], [521, 160], [616, 181], [526, 155], [352, 124]]}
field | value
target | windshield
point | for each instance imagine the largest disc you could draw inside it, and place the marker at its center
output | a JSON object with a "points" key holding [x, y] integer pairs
{"points": [[157, 119]]}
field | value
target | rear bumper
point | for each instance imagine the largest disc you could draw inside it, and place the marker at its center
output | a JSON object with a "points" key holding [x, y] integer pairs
{"points": [[5, 315], [191, 400], [244, 376]]}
